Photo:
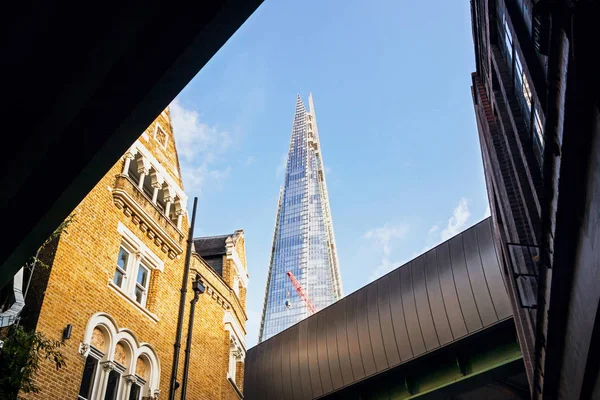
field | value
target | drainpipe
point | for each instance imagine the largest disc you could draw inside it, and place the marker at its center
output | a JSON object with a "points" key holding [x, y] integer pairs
{"points": [[198, 290], [186, 271]]}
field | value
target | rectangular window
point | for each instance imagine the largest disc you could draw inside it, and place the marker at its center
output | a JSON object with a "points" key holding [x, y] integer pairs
{"points": [[135, 392], [112, 386], [120, 273], [538, 132], [89, 372], [141, 284]]}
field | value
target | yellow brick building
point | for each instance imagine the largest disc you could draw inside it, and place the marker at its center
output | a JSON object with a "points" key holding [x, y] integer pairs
{"points": [[115, 281]]}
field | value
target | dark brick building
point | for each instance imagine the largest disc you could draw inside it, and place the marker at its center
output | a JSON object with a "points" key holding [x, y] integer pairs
{"points": [[536, 103]]}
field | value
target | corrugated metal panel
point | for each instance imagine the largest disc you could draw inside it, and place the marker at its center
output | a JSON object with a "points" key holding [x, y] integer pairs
{"points": [[385, 318], [463, 284], [296, 381], [342, 341], [398, 320], [364, 339], [313, 357], [436, 299], [333, 319], [324, 371], [355, 356], [277, 366], [286, 375], [449, 292], [303, 360], [410, 310], [423, 305], [381, 362], [481, 292], [493, 275]]}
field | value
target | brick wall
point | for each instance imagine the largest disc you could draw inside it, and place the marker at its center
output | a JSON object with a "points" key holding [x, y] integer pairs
{"points": [[79, 286]]}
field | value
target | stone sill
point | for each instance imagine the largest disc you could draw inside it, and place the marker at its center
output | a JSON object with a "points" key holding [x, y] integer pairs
{"points": [[144, 310], [237, 390]]}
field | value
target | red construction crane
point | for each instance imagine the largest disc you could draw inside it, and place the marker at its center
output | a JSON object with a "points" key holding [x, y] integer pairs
{"points": [[311, 308]]}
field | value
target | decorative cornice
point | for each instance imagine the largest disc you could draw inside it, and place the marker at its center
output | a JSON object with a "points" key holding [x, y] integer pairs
{"points": [[238, 306], [130, 207]]}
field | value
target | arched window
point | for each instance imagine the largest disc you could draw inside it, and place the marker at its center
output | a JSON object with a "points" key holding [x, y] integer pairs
{"points": [[133, 171], [117, 366]]}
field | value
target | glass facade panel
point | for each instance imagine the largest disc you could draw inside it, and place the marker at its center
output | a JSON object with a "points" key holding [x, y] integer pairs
{"points": [[303, 242]]}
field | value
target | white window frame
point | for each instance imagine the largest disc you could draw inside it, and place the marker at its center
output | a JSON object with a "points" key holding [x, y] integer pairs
{"points": [[140, 256], [124, 272], [143, 288]]}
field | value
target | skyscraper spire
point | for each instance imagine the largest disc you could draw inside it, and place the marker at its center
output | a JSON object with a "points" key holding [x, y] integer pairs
{"points": [[303, 241]]}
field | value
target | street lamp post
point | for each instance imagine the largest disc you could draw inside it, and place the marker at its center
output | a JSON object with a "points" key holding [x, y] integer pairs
{"points": [[198, 289]]}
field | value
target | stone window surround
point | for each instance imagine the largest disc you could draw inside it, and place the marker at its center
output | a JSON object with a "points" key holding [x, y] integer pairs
{"points": [[114, 335], [232, 254], [139, 253], [237, 344], [160, 177]]}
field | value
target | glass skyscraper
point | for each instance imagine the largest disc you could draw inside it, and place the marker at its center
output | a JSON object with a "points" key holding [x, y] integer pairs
{"points": [[303, 242]]}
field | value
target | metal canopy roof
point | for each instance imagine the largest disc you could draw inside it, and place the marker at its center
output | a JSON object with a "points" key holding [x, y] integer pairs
{"points": [[440, 297]]}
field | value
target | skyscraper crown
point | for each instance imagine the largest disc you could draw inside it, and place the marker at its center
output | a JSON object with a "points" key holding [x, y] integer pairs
{"points": [[303, 269]]}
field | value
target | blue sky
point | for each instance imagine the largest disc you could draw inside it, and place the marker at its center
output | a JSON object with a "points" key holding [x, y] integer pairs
{"points": [[391, 85]]}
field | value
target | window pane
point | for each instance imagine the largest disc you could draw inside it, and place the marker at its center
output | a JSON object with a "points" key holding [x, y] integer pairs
{"points": [[538, 129], [134, 394], [118, 279], [142, 277], [139, 294], [112, 385], [89, 370], [123, 257]]}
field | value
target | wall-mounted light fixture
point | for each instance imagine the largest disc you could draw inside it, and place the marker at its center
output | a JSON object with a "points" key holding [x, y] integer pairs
{"points": [[67, 332]]}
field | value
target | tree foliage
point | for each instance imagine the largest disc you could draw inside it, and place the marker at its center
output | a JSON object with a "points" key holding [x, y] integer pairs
{"points": [[20, 359], [22, 351]]}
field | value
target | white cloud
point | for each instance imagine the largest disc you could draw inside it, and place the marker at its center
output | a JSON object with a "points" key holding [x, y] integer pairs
{"points": [[433, 229], [383, 236], [457, 221], [382, 239], [200, 147], [249, 161], [196, 178], [194, 136], [280, 169], [488, 212]]}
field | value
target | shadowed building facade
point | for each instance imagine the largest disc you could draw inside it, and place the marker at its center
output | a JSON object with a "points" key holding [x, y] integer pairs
{"points": [[536, 97], [303, 241]]}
